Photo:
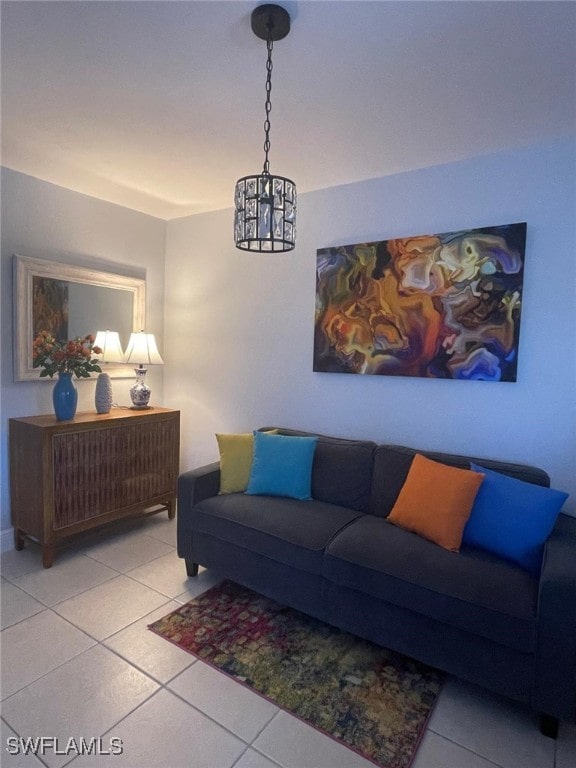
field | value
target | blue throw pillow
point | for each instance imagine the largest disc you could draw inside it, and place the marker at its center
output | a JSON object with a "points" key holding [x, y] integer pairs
{"points": [[512, 519], [282, 466]]}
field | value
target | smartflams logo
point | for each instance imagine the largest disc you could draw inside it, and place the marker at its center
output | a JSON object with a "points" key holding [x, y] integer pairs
{"points": [[45, 745]]}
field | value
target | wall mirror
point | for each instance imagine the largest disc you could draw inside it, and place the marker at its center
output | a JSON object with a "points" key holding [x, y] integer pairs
{"points": [[72, 301]]}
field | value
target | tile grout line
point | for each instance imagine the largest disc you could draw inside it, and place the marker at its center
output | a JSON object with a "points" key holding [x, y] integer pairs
{"points": [[58, 666], [94, 586], [468, 749]]}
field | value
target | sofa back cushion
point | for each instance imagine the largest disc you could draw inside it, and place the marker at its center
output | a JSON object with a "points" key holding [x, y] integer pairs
{"points": [[392, 464], [341, 471]]}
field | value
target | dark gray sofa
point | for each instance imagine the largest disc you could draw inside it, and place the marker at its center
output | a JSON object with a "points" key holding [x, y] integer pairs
{"points": [[336, 557]]}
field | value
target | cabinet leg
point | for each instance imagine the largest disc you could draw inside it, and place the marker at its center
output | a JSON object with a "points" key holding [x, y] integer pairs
{"points": [[18, 539], [171, 509], [47, 555]]}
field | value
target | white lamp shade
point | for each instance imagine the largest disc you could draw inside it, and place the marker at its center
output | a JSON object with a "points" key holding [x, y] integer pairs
{"points": [[109, 343], [142, 350]]}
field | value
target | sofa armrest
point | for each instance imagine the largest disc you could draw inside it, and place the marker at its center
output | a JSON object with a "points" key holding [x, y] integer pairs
{"points": [[193, 487], [555, 670], [199, 484]]}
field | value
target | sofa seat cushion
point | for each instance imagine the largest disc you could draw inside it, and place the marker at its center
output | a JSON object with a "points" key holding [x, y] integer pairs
{"points": [[471, 590], [289, 530]]}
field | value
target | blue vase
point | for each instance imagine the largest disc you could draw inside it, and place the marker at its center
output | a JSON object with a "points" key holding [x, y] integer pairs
{"points": [[64, 397]]}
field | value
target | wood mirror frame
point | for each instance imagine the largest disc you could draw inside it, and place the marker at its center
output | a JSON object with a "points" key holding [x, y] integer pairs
{"points": [[94, 301]]}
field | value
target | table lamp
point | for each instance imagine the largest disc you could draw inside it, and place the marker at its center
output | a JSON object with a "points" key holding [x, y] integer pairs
{"points": [[141, 349], [109, 343]]}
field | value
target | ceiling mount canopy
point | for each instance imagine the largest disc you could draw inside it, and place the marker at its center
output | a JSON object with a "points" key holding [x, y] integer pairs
{"points": [[270, 21], [265, 204]]}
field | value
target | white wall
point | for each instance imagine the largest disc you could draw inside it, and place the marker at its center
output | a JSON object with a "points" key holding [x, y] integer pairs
{"points": [[45, 221], [239, 326]]}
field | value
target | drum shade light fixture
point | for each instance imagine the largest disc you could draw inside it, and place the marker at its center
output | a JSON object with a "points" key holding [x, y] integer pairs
{"points": [[265, 204]]}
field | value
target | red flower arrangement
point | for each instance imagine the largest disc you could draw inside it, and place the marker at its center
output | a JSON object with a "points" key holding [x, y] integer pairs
{"points": [[74, 356]]}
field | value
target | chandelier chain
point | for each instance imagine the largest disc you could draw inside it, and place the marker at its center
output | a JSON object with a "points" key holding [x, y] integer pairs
{"points": [[268, 106]]}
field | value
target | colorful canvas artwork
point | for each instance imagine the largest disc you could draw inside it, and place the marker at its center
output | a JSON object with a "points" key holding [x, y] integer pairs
{"points": [[435, 306]]}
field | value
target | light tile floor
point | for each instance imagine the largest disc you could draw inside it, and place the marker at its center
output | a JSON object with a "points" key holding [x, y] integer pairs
{"points": [[78, 661]]}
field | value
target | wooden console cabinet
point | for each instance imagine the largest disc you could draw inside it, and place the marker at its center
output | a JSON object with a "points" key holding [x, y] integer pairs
{"points": [[70, 476]]}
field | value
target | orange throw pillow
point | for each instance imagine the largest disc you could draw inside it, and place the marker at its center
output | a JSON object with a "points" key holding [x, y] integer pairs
{"points": [[436, 501]]}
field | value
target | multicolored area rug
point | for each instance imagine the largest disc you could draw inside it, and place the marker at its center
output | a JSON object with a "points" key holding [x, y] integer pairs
{"points": [[372, 700]]}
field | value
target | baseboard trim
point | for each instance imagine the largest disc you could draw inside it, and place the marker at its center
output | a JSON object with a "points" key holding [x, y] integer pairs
{"points": [[7, 540]]}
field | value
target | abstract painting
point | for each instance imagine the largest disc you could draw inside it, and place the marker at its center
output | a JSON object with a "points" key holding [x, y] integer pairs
{"points": [[441, 306], [50, 307]]}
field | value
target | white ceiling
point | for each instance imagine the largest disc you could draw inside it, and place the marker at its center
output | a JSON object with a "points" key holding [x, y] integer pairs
{"points": [[159, 106]]}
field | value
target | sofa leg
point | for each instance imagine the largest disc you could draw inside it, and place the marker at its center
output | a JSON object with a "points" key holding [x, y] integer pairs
{"points": [[549, 726], [191, 568]]}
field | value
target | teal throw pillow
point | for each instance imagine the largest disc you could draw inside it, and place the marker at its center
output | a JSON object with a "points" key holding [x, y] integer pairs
{"points": [[512, 519], [282, 466]]}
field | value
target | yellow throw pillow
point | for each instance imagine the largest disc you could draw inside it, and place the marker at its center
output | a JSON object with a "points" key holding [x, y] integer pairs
{"points": [[436, 501], [236, 453]]}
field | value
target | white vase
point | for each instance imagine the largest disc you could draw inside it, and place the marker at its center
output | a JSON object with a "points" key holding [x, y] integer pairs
{"points": [[103, 395], [140, 392]]}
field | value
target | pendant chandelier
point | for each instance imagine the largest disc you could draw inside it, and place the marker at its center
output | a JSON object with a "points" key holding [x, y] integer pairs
{"points": [[265, 204]]}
